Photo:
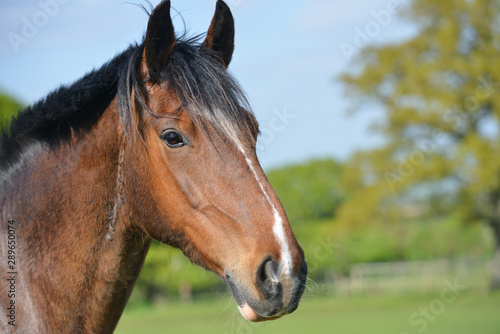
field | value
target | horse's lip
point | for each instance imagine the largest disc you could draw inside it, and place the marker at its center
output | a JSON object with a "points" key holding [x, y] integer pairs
{"points": [[249, 313], [246, 310]]}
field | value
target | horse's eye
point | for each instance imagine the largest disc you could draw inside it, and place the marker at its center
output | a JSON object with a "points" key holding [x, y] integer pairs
{"points": [[173, 139]]}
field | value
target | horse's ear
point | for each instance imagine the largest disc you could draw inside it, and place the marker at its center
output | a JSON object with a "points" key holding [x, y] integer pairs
{"points": [[160, 40], [220, 36]]}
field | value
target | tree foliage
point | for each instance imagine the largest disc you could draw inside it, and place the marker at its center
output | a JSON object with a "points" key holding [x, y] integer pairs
{"points": [[167, 272], [9, 107], [440, 93], [310, 190]]}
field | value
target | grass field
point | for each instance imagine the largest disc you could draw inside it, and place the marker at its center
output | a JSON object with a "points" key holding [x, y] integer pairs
{"points": [[469, 312]]}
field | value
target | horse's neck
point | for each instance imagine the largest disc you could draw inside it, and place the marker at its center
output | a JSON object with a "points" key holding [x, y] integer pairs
{"points": [[80, 250]]}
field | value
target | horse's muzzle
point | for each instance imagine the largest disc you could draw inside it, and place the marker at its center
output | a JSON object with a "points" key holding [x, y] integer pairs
{"points": [[279, 291]]}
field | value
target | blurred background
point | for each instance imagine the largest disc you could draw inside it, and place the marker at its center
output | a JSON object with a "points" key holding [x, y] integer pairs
{"points": [[380, 134]]}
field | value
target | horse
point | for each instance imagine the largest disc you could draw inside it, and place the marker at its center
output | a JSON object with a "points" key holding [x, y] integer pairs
{"points": [[158, 143]]}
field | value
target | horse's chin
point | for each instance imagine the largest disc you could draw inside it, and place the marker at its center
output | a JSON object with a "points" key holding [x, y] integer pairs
{"points": [[248, 313]]}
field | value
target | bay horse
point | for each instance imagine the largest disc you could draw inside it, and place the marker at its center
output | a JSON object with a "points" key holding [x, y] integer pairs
{"points": [[159, 143]]}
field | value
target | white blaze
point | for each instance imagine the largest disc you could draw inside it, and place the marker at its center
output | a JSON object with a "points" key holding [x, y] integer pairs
{"points": [[279, 232]]}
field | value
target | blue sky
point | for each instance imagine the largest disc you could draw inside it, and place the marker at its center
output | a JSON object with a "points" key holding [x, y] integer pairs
{"points": [[286, 58]]}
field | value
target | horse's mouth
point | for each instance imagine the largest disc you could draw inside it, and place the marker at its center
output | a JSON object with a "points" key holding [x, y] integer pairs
{"points": [[263, 309], [248, 313]]}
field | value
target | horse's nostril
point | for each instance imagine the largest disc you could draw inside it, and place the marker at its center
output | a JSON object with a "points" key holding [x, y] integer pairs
{"points": [[267, 279], [271, 270]]}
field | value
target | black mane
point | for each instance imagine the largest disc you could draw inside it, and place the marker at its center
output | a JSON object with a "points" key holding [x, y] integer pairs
{"points": [[206, 90], [69, 108]]}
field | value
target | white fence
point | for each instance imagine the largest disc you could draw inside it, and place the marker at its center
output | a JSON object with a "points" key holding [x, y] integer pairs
{"points": [[413, 276]]}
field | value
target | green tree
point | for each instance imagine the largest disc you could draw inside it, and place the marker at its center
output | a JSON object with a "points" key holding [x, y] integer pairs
{"points": [[308, 191], [168, 273], [9, 107], [440, 94]]}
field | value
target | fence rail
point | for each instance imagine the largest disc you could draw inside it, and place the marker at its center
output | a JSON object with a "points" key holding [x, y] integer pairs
{"points": [[419, 276]]}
